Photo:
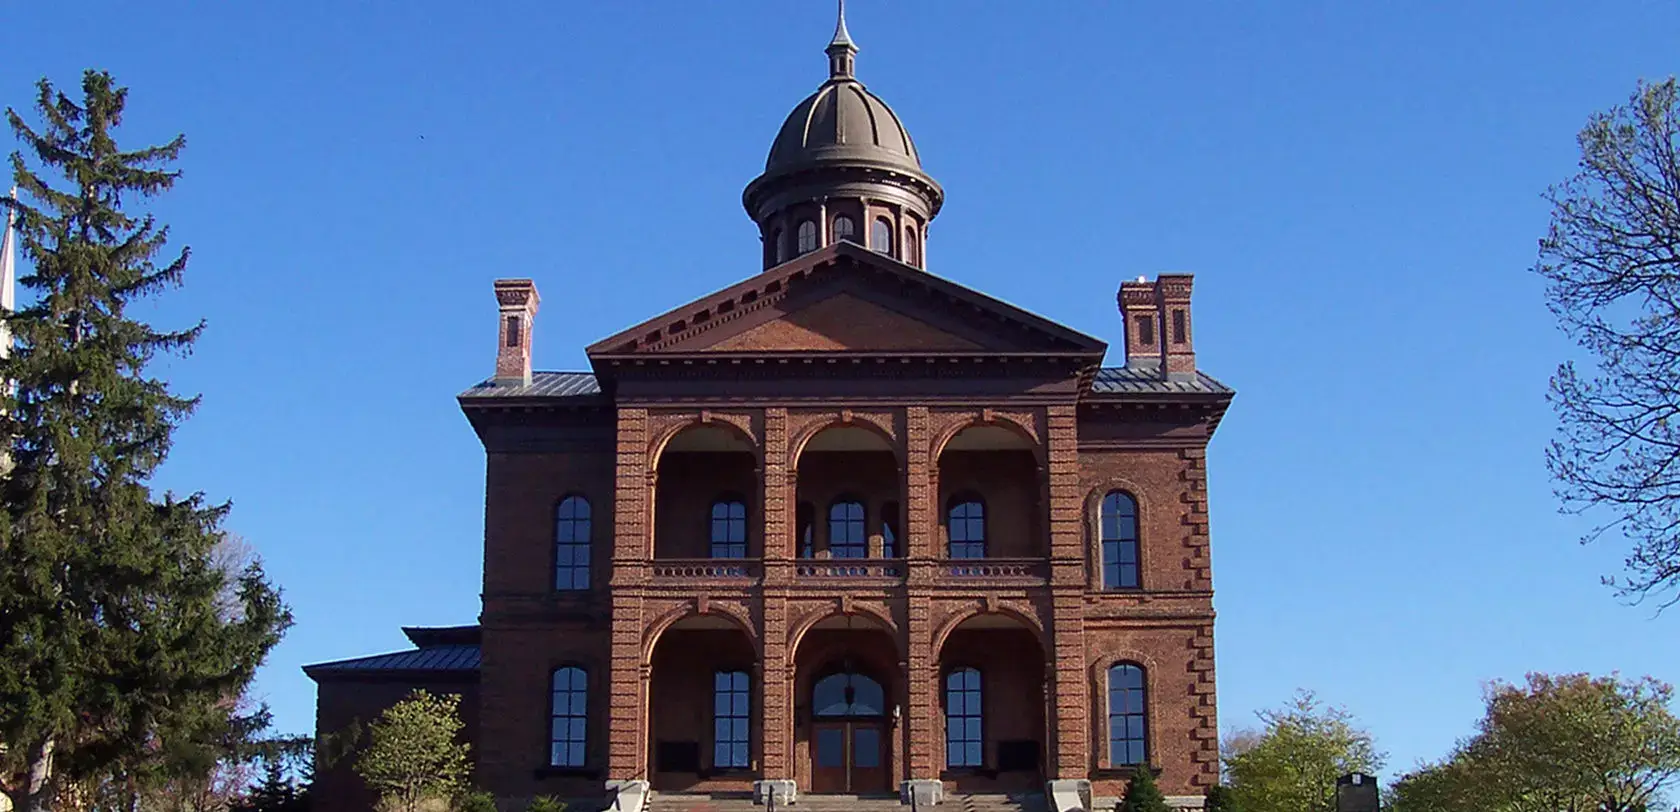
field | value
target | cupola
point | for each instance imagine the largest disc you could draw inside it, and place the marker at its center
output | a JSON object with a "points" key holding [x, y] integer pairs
{"points": [[843, 167]]}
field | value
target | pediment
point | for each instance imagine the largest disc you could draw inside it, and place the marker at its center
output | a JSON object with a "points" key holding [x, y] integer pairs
{"points": [[847, 299]]}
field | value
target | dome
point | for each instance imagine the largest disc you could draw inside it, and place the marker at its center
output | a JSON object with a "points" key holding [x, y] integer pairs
{"points": [[843, 123]]}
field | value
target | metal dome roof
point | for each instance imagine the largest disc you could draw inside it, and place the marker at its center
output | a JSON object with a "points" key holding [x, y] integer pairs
{"points": [[843, 123]]}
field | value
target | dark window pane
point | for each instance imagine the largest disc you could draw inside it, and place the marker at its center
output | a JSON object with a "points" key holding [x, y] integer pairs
{"points": [[1119, 541], [831, 747], [571, 544], [568, 717], [1128, 715], [866, 748]]}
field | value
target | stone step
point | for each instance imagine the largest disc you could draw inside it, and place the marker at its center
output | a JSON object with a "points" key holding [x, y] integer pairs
{"points": [[742, 802]]}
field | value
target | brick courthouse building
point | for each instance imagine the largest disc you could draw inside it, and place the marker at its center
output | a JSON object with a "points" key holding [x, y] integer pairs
{"points": [[843, 527]]}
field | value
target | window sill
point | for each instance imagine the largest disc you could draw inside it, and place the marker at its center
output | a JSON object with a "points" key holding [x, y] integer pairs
{"points": [[550, 771], [1125, 772]]}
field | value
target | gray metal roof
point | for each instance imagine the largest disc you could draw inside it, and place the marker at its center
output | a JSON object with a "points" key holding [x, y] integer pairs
{"points": [[430, 658], [1147, 379], [543, 385], [1132, 380]]}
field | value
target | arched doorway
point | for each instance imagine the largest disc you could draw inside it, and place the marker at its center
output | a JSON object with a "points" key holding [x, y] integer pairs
{"points": [[848, 733], [848, 692]]}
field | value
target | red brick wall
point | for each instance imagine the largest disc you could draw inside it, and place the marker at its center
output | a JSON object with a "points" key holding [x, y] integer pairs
{"points": [[681, 701], [341, 704], [826, 476], [521, 493], [1011, 665], [514, 685], [1007, 483], [689, 481]]}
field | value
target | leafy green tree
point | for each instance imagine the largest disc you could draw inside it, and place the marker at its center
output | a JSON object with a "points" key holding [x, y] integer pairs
{"points": [[415, 755], [1220, 799], [119, 639], [1142, 794], [1293, 764], [1611, 258]]}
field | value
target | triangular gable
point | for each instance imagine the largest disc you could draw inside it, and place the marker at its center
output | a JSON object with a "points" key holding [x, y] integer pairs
{"points": [[846, 298]]}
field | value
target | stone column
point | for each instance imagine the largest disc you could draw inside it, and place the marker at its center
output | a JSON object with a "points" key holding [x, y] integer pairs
{"points": [[1071, 751], [626, 745]]}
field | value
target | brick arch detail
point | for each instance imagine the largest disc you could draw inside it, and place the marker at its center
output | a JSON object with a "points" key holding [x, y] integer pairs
{"points": [[654, 630], [841, 608], [1106, 658], [738, 424], [1026, 614], [881, 424], [1023, 424], [1090, 522]]}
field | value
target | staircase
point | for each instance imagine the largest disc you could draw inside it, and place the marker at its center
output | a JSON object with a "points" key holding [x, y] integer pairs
{"points": [[742, 802]]}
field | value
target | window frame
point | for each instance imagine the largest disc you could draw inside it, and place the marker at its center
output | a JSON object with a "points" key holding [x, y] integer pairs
{"points": [[569, 546], [847, 233], [581, 744], [743, 719], [1119, 542], [727, 501], [805, 237], [963, 499], [890, 535], [877, 228], [976, 693], [912, 247], [1141, 714], [861, 544]]}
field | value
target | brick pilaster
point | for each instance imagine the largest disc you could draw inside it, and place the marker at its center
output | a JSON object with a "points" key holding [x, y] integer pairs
{"points": [[626, 746], [1070, 751], [776, 685], [777, 691], [922, 547]]}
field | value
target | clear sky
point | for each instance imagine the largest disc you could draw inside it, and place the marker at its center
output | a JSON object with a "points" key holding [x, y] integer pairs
{"points": [[1355, 185]]}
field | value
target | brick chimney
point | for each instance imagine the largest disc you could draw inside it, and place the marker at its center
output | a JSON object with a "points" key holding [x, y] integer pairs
{"points": [[517, 300], [1157, 316], [1178, 353], [1143, 321]]}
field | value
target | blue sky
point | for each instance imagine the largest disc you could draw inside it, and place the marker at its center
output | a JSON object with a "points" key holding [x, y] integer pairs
{"points": [[1355, 185]]}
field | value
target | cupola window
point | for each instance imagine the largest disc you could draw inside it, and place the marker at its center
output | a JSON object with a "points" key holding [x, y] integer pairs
{"points": [[807, 237], [844, 229], [881, 235], [912, 248]]}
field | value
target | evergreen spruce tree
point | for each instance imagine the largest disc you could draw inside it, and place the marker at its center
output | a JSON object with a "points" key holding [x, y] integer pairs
{"points": [[115, 629], [1142, 795]]}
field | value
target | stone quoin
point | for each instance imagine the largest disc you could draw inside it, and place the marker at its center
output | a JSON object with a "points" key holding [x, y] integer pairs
{"points": [[844, 527]]}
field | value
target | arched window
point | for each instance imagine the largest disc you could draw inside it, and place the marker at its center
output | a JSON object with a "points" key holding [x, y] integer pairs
{"points": [[778, 248], [1119, 541], [729, 528], [731, 738], [1128, 717], [571, 544], [844, 229], [965, 526], [912, 247], [848, 537], [568, 717], [964, 744], [889, 530], [805, 517], [880, 235], [807, 237], [847, 694]]}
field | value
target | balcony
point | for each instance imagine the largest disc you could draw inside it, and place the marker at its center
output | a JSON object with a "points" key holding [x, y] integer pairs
{"points": [[995, 571], [882, 570], [709, 571]]}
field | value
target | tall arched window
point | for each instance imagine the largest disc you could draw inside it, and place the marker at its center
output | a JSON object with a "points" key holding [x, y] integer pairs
{"points": [[778, 247], [807, 237], [848, 537], [729, 528], [568, 717], [1119, 541], [966, 527], [731, 738], [912, 247], [880, 235], [964, 744], [844, 229], [1128, 716], [571, 544]]}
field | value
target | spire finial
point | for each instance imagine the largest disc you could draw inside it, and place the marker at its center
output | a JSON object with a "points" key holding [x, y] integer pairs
{"points": [[841, 50]]}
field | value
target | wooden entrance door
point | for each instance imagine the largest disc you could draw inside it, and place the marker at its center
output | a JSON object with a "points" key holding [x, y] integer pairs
{"points": [[848, 756]]}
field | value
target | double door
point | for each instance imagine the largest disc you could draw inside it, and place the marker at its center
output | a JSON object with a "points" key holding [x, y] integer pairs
{"points": [[849, 757]]}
